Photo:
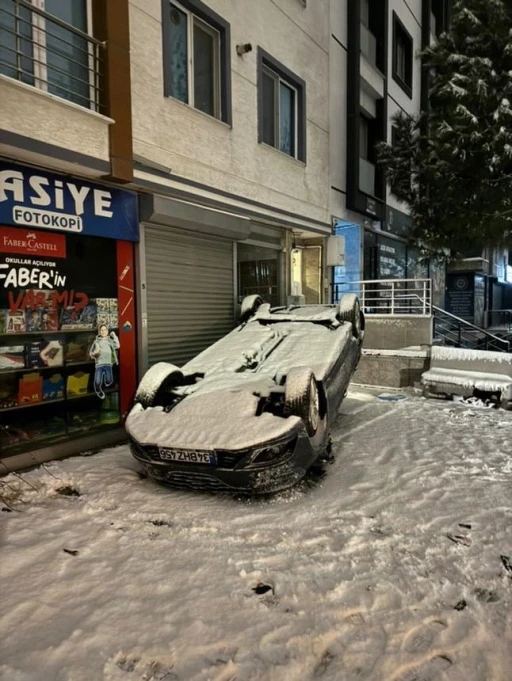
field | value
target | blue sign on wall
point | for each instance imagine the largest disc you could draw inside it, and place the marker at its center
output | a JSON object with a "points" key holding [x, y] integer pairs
{"points": [[41, 200], [351, 271]]}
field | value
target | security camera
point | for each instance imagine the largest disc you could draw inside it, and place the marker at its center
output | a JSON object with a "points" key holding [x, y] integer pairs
{"points": [[243, 49]]}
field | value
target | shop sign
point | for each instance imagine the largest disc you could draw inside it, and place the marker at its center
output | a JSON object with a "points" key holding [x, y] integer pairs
{"points": [[31, 242], [391, 259], [38, 199]]}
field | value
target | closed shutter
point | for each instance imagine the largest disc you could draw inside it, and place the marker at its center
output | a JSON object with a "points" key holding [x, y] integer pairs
{"points": [[189, 284]]}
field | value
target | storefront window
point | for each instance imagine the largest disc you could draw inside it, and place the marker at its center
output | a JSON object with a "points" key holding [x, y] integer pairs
{"points": [[67, 337], [258, 273], [59, 337]]}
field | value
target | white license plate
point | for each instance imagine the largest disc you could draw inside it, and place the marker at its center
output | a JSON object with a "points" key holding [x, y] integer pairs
{"points": [[187, 456]]}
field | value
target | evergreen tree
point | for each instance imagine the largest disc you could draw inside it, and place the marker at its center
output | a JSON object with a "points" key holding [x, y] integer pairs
{"points": [[452, 164]]}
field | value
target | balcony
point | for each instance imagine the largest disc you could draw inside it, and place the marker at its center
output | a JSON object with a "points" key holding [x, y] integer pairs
{"points": [[40, 50], [368, 45], [51, 88], [366, 177], [372, 80]]}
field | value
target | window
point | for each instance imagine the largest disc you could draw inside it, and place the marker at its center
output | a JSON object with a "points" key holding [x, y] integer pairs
{"points": [[50, 48], [363, 138], [196, 57], [281, 99], [402, 56]]}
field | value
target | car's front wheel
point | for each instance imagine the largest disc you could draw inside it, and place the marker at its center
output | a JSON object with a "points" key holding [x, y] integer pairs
{"points": [[155, 381], [302, 397]]}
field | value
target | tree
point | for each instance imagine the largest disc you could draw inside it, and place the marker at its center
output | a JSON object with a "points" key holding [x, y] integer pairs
{"points": [[452, 164]]}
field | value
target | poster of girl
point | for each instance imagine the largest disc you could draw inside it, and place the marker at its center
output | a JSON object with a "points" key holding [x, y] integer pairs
{"points": [[104, 352]]}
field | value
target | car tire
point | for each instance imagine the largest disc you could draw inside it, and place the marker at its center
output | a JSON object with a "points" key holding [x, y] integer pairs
{"points": [[349, 310], [155, 379], [250, 304], [302, 398]]}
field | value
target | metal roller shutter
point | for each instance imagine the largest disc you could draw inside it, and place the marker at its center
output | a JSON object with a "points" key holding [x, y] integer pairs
{"points": [[190, 294]]}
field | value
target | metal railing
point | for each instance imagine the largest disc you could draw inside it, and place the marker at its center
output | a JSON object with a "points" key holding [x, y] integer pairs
{"points": [[501, 319], [40, 49], [389, 296], [457, 332]]}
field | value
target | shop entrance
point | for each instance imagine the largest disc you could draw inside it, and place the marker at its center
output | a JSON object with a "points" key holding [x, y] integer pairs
{"points": [[258, 272]]}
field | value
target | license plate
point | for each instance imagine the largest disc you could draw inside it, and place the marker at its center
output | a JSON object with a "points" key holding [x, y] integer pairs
{"points": [[187, 456]]}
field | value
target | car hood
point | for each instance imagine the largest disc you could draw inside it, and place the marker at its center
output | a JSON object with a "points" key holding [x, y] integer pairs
{"points": [[210, 420]]}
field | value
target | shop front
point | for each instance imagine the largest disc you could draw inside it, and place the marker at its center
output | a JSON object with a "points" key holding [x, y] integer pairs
{"points": [[67, 313], [195, 266]]}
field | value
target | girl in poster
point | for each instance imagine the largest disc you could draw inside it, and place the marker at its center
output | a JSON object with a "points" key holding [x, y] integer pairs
{"points": [[104, 352]]}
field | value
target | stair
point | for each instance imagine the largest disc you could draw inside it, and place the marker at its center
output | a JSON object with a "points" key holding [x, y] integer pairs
{"points": [[456, 332]]}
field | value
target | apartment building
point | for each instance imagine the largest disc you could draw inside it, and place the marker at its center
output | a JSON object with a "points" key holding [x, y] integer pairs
{"points": [[159, 160], [374, 73], [230, 140]]}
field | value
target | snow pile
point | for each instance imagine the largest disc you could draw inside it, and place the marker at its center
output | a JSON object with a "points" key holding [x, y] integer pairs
{"points": [[443, 353], [394, 566]]}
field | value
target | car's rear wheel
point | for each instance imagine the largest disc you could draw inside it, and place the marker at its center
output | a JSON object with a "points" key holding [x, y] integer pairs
{"points": [[250, 305], [155, 381], [302, 397], [349, 310]]}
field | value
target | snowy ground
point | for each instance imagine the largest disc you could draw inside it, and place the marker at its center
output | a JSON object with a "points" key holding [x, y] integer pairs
{"points": [[389, 568]]}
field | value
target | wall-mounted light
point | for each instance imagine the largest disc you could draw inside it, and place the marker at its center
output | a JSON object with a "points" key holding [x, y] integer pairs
{"points": [[243, 49]]}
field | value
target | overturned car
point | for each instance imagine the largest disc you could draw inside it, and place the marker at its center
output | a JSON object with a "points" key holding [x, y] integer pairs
{"points": [[254, 411]]}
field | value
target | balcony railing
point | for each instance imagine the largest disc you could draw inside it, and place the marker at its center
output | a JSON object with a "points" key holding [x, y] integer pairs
{"points": [[366, 177], [39, 49], [368, 45]]}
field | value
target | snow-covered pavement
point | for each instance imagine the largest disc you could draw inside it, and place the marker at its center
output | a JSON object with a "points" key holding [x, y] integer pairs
{"points": [[393, 567]]}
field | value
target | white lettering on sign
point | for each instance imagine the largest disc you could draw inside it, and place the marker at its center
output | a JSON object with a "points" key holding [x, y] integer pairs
{"points": [[22, 277], [45, 218], [47, 193]]}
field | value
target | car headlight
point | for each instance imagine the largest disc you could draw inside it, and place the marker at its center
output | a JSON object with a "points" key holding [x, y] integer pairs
{"points": [[262, 456]]}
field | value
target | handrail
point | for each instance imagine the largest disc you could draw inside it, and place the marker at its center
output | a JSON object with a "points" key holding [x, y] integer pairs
{"points": [[462, 323]]}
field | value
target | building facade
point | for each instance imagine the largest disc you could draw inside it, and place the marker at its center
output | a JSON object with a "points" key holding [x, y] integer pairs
{"points": [[374, 73], [231, 145], [159, 160]]}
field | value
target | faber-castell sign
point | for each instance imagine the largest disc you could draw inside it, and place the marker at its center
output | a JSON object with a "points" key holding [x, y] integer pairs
{"points": [[36, 199]]}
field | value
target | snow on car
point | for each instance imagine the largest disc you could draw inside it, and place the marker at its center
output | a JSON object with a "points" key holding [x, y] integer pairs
{"points": [[254, 411]]}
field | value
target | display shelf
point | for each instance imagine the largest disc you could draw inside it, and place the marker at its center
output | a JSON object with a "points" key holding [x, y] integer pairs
{"points": [[32, 404], [49, 333], [107, 391], [48, 368], [26, 370], [69, 432]]}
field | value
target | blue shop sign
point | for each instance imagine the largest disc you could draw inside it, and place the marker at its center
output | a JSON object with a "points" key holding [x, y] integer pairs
{"points": [[41, 200]]}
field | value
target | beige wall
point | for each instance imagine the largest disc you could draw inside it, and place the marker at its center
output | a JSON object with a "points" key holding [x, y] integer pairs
{"points": [[206, 150], [27, 111]]}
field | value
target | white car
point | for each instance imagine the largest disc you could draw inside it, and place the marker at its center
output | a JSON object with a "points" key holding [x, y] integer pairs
{"points": [[253, 411]]}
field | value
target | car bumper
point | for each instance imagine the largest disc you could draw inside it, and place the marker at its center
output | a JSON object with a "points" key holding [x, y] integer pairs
{"points": [[267, 478]]}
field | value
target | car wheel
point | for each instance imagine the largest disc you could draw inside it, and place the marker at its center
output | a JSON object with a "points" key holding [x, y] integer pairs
{"points": [[349, 310], [157, 378], [250, 304], [302, 397]]}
